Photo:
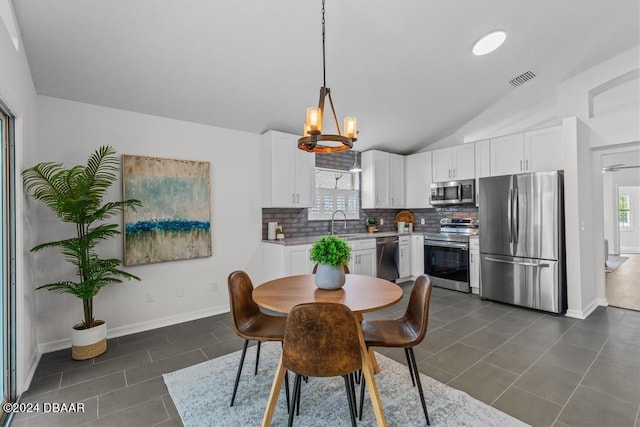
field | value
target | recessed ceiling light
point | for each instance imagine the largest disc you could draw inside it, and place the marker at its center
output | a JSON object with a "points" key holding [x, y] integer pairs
{"points": [[489, 43]]}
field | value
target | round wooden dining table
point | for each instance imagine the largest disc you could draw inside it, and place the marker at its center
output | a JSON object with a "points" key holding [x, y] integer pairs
{"points": [[360, 293]]}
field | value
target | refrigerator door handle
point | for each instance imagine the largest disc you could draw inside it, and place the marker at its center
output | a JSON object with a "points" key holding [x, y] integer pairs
{"points": [[516, 216], [527, 264], [509, 216]]}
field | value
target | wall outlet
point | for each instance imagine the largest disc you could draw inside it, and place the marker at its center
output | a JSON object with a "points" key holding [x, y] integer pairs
{"points": [[381, 221], [180, 292], [422, 221], [151, 297], [214, 286]]}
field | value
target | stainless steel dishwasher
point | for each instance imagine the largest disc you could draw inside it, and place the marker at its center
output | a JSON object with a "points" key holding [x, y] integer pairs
{"points": [[387, 255]]}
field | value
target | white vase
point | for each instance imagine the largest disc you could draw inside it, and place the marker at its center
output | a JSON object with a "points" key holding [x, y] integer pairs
{"points": [[329, 277], [88, 343]]}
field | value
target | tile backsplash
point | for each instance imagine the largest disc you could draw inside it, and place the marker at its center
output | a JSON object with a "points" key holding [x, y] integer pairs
{"points": [[295, 224], [294, 221]]}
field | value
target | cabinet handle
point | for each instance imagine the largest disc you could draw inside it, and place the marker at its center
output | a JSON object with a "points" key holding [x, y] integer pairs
{"points": [[526, 165], [293, 198], [449, 173], [455, 173], [520, 165], [298, 198]]}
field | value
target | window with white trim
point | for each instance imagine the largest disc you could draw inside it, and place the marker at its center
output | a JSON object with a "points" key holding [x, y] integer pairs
{"points": [[624, 213], [335, 190]]}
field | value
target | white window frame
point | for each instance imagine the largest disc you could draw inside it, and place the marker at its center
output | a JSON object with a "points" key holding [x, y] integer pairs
{"points": [[628, 211], [354, 193]]}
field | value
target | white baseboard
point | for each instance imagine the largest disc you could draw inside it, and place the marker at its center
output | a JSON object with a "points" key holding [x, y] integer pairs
{"points": [[50, 346], [30, 372], [583, 314]]}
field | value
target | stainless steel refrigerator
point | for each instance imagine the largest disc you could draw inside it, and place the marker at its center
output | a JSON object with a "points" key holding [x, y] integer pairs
{"points": [[522, 241]]}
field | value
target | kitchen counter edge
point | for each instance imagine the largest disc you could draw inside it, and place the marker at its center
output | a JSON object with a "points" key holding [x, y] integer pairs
{"points": [[361, 236]]}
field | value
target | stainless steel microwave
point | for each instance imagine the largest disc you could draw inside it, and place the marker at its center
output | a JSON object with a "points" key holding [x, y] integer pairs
{"points": [[453, 192]]}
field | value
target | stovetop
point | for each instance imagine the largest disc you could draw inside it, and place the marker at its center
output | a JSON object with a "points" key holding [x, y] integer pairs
{"points": [[454, 230], [448, 237]]}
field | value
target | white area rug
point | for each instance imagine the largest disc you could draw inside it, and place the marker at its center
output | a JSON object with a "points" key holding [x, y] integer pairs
{"points": [[202, 394], [614, 262]]}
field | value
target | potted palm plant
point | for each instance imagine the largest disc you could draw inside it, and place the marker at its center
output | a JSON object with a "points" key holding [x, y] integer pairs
{"points": [[75, 195], [331, 253]]}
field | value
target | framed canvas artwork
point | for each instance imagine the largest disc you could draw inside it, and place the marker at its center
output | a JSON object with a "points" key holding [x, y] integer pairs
{"points": [[174, 222]]}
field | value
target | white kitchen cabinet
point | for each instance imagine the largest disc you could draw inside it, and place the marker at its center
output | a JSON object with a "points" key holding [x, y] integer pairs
{"points": [[363, 257], [417, 255], [418, 180], [534, 151], [287, 172], [397, 181], [474, 264], [543, 150], [483, 163], [404, 257], [507, 155], [383, 180], [279, 260], [297, 260], [454, 163]]}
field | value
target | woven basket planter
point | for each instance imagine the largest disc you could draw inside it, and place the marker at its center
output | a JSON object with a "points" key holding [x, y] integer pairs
{"points": [[89, 343]]}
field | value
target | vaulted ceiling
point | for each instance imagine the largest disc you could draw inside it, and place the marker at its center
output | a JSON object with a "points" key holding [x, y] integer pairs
{"points": [[404, 68]]}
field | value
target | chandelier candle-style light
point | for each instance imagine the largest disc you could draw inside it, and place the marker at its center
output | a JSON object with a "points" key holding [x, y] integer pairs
{"points": [[313, 126]]}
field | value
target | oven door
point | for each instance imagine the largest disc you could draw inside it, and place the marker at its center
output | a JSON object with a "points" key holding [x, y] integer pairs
{"points": [[447, 264]]}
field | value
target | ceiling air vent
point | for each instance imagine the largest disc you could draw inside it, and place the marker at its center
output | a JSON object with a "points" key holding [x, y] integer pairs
{"points": [[521, 79]]}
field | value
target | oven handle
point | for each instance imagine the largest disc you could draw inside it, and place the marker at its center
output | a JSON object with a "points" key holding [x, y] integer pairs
{"points": [[463, 246], [527, 264]]}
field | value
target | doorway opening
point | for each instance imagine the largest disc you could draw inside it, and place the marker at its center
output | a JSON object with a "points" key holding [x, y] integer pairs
{"points": [[621, 193]]}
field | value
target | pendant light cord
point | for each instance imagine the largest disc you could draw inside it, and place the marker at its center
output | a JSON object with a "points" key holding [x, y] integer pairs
{"points": [[324, 69]]}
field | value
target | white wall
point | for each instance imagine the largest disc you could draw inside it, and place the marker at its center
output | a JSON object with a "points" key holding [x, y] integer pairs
{"points": [[591, 137], [17, 93], [69, 132]]}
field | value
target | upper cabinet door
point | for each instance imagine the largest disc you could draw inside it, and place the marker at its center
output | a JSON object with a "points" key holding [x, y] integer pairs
{"points": [[278, 186], [305, 166], [418, 180], [543, 150], [381, 179], [507, 155], [464, 162], [442, 165], [396, 181], [483, 158], [287, 172]]}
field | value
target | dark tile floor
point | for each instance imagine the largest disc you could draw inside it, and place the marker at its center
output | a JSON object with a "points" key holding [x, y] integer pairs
{"points": [[543, 369]]}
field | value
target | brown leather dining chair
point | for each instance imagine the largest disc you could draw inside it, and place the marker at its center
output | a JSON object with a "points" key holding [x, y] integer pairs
{"points": [[250, 323], [322, 340], [405, 332], [345, 266]]}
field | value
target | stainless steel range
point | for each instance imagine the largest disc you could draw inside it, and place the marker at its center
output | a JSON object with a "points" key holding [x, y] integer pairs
{"points": [[446, 254]]}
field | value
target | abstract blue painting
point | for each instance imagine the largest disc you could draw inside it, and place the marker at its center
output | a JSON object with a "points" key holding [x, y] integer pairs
{"points": [[174, 221]]}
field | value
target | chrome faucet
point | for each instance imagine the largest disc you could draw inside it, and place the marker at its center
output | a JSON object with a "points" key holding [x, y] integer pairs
{"points": [[332, 220]]}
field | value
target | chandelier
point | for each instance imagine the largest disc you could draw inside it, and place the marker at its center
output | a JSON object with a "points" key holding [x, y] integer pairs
{"points": [[313, 127]]}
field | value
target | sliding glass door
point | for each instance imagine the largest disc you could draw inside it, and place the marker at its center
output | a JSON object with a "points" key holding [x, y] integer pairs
{"points": [[7, 261]]}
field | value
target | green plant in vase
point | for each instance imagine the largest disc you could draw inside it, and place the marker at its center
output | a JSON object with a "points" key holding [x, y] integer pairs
{"points": [[371, 223], [331, 253]]}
